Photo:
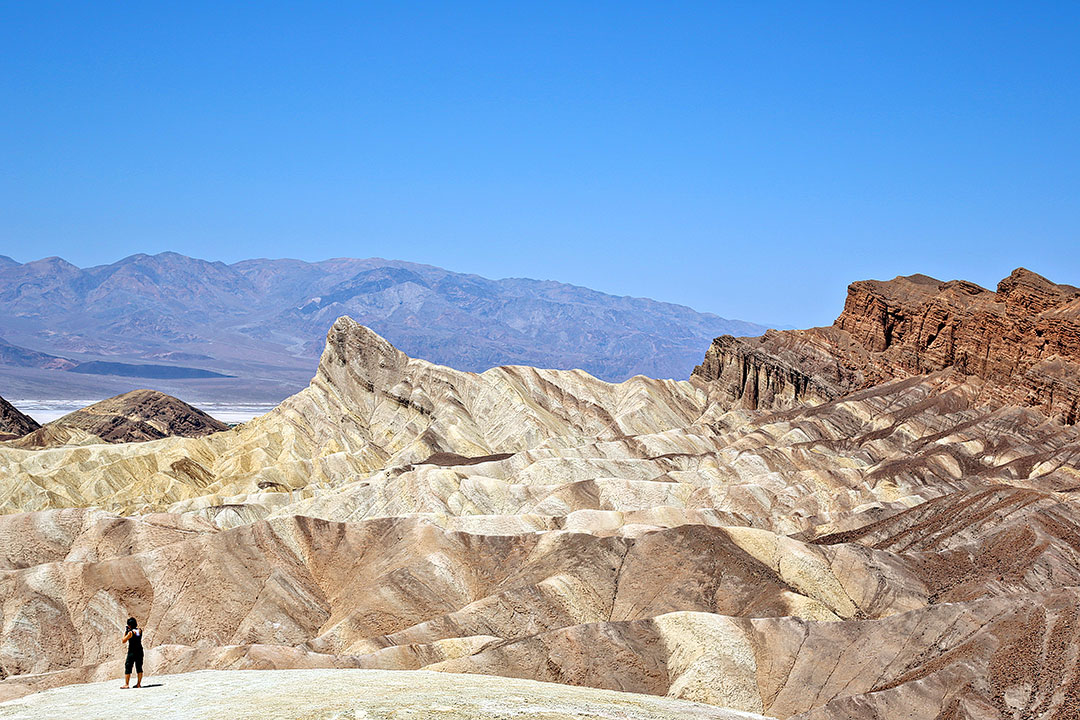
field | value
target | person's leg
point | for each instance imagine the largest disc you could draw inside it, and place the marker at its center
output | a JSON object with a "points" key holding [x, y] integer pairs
{"points": [[127, 672], [138, 669]]}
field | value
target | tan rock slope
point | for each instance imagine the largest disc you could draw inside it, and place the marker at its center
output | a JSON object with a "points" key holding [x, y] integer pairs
{"points": [[898, 541]]}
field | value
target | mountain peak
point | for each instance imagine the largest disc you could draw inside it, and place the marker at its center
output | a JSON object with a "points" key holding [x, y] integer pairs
{"points": [[53, 261], [141, 415], [352, 345], [1033, 292]]}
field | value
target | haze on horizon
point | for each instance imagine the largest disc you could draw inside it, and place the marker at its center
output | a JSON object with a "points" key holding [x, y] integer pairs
{"points": [[743, 161]]}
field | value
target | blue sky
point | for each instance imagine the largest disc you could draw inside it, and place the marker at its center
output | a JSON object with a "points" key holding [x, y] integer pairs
{"points": [[748, 159]]}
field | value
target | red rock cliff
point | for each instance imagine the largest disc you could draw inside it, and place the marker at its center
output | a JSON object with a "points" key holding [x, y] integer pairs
{"points": [[1023, 340]]}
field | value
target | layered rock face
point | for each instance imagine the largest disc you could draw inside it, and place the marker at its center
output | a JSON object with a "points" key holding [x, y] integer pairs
{"points": [[135, 416], [858, 546], [14, 424], [1023, 340]]}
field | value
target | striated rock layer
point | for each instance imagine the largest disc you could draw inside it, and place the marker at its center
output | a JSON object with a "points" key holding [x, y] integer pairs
{"points": [[830, 530], [1023, 341], [135, 416], [14, 424]]}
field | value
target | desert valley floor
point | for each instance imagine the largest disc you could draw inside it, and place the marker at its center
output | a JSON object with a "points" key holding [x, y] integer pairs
{"points": [[877, 519]]}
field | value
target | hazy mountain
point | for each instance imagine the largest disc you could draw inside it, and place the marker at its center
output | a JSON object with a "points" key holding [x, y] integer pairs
{"points": [[16, 356], [263, 322]]}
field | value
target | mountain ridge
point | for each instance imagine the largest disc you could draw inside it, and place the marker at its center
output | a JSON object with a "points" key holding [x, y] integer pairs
{"points": [[263, 320]]}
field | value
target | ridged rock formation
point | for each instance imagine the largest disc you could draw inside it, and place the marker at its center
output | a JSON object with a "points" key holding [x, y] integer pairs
{"points": [[870, 542], [14, 424], [1023, 340], [135, 416]]}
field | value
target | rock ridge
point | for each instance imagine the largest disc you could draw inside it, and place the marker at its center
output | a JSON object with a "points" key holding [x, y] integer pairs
{"points": [[1023, 340]]}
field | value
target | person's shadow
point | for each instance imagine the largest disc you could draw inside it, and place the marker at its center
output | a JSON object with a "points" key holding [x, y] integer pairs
{"points": [[153, 685]]}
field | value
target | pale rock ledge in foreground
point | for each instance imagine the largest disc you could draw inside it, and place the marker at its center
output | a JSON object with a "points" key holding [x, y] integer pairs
{"points": [[352, 695]]}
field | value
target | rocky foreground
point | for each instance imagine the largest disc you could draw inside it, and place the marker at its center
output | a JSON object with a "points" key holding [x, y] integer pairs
{"points": [[813, 526], [341, 694]]}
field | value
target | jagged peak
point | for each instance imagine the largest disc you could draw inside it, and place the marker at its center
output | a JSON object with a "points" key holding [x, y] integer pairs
{"points": [[349, 342], [1034, 292]]}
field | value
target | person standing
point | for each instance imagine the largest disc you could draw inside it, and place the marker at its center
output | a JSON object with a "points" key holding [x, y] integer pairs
{"points": [[133, 638]]}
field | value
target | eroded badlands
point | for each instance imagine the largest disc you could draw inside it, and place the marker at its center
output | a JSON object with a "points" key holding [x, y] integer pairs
{"points": [[771, 536]]}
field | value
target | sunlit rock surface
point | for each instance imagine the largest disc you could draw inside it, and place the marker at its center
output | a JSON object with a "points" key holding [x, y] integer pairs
{"points": [[339, 694]]}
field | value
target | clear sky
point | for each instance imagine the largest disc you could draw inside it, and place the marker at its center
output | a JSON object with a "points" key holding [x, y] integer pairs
{"points": [[748, 159]]}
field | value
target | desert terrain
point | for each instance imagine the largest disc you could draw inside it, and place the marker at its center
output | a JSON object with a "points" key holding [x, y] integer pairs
{"points": [[876, 519]]}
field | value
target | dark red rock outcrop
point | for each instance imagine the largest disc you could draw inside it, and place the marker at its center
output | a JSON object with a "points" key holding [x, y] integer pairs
{"points": [[1023, 340]]}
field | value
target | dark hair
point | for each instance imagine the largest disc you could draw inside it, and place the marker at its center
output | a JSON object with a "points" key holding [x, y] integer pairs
{"points": [[133, 623]]}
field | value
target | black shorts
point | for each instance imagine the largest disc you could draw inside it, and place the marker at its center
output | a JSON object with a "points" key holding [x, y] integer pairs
{"points": [[135, 660]]}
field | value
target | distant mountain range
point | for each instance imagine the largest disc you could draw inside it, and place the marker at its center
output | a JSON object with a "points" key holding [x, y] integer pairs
{"points": [[254, 329]]}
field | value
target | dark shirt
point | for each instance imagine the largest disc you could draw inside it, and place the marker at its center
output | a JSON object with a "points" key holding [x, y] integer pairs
{"points": [[135, 642]]}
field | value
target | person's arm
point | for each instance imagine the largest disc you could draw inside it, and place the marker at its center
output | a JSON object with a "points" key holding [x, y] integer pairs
{"points": [[126, 638]]}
